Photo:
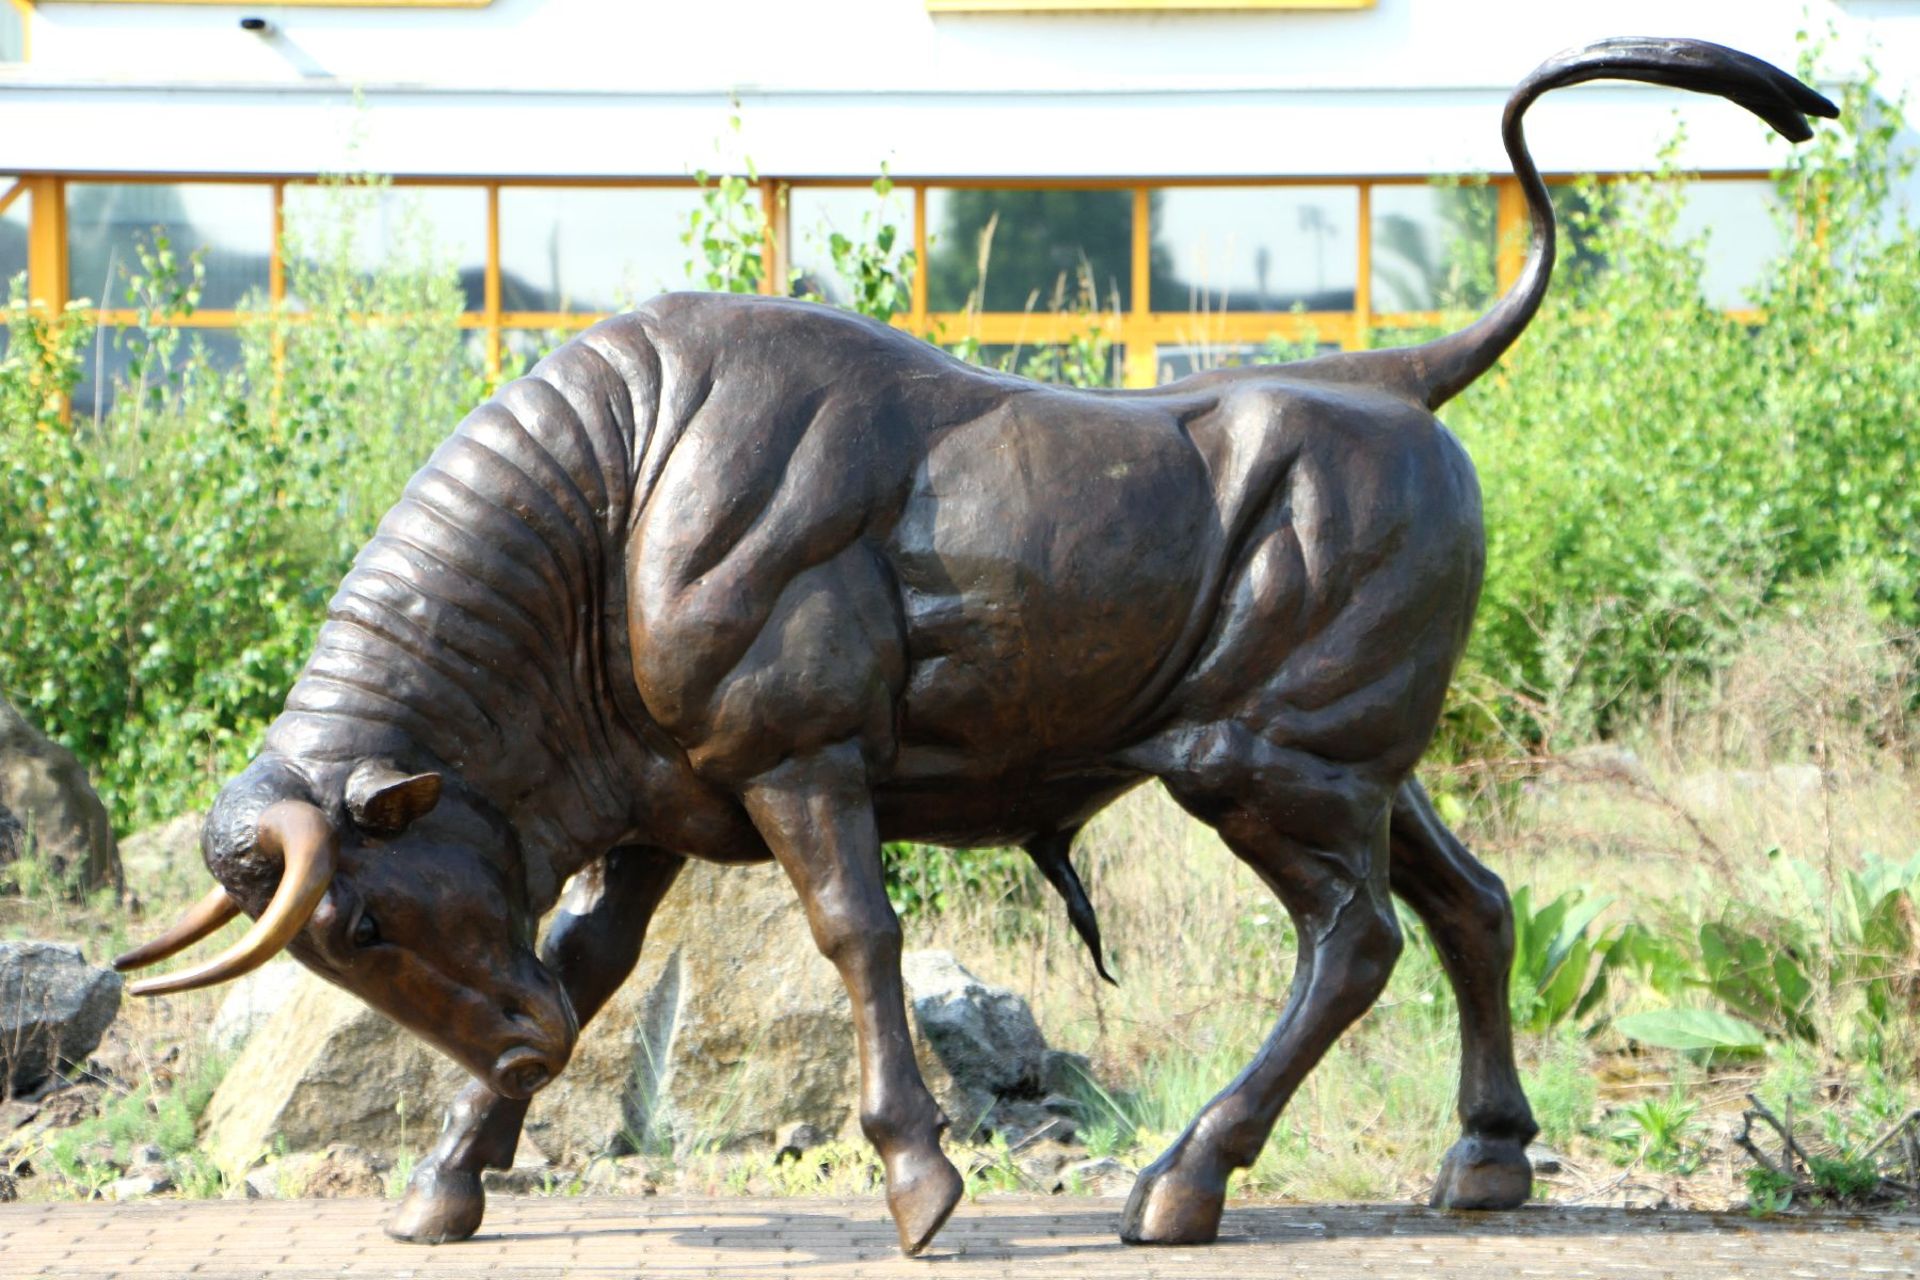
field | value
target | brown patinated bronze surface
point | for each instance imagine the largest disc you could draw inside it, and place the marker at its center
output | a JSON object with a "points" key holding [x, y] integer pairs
{"points": [[739, 578]]}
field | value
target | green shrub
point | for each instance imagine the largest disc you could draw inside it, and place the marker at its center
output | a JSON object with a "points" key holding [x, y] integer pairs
{"points": [[169, 563], [1656, 470]]}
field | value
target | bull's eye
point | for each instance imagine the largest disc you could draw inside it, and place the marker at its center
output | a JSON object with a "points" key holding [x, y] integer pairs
{"points": [[365, 932]]}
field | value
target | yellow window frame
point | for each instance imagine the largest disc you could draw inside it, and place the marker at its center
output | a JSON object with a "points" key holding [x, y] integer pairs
{"points": [[1140, 331], [310, 4], [1135, 6]]}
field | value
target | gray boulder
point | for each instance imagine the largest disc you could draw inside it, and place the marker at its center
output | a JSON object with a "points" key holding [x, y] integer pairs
{"points": [[980, 1049], [153, 858], [54, 1007], [325, 1069], [46, 789], [731, 1027], [251, 1003]]}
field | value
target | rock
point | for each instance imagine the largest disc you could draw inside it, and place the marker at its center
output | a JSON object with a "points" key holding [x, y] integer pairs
{"points": [[264, 1183], [155, 855], [46, 790], [137, 1185], [1783, 784], [795, 1140], [70, 1106], [1604, 762], [1042, 1162], [983, 1055], [732, 1026], [13, 837], [251, 1002], [528, 1180], [54, 1007], [326, 1069], [1545, 1159], [1102, 1176], [343, 1170], [9, 1189]]}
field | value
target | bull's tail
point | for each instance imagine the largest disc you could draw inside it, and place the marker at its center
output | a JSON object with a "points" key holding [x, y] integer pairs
{"points": [[1441, 369], [1051, 853]]}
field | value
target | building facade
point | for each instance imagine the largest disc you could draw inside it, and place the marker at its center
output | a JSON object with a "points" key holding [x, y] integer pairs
{"points": [[1192, 178]]}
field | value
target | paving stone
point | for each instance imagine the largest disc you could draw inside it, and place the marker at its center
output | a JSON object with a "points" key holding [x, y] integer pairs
{"points": [[1029, 1237]]}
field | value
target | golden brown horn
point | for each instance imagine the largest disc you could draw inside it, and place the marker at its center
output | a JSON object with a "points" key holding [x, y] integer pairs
{"points": [[202, 920], [304, 841]]}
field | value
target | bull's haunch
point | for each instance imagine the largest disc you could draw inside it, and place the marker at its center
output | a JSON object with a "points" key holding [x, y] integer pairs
{"points": [[741, 579]]}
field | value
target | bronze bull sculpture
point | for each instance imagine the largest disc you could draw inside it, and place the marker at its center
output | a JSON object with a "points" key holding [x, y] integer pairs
{"points": [[737, 579]]}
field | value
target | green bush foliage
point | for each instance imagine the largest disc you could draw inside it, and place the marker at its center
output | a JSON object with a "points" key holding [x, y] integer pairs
{"points": [[168, 563], [1656, 470]]}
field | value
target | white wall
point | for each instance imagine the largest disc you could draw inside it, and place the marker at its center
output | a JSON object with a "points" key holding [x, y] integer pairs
{"points": [[836, 86]]}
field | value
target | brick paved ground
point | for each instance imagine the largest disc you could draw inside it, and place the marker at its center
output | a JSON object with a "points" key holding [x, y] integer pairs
{"points": [[546, 1239]]}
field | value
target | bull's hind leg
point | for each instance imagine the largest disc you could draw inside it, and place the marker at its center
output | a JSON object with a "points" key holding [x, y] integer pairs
{"points": [[1465, 908], [816, 813], [591, 948], [1316, 832]]}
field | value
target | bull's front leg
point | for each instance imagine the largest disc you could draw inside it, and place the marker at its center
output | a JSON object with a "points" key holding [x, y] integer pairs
{"points": [[816, 814], [591, 948]]}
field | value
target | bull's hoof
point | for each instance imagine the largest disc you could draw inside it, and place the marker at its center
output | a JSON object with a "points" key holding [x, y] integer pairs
{"points": [[1484, 1173], [922, 1190], [440, 1207], [1171, 1205]]}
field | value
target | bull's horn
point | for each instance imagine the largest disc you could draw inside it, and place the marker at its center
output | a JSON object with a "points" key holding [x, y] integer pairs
{"points": [[304, 841], [202, 920]]}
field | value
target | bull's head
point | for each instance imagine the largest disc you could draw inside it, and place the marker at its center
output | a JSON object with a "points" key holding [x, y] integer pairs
{"points": [[409, 898]]}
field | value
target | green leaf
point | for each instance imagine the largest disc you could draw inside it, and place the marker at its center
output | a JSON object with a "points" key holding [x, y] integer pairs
{"points": [[1692, 1029]]}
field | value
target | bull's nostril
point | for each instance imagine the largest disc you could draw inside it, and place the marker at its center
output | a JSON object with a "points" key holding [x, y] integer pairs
{"points": [[515, 1013]]}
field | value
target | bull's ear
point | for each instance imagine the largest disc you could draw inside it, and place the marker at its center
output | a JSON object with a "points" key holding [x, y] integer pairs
{"points": [[384, 801]]}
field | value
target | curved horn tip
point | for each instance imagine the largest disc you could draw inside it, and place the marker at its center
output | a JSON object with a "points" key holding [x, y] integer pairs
{"points": [[300, 836]]}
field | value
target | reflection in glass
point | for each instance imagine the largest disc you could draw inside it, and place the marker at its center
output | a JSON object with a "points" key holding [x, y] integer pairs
{"points": [[816, 214], [593, 248], [1047, 248], [13, 34], [1056, 362], [1255, 248], [1177, 360], [13, 236], [389, 227], [232, 222], [1743, 235], [1433, 247], [104, 367], [523, 348]]}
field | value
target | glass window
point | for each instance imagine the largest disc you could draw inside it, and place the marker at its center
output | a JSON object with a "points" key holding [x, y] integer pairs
{"points": [[1743, 237], [1046, 250], [1174, 361], [816, 214], [1255, 248], [230, 222], [104, 366], [375, 226], [521, 349], [1433, 246], [13, 33], [593, 248], [13, 236]]}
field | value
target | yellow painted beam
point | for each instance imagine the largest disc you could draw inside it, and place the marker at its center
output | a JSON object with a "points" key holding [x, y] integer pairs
{"points": [[1134, 6], [318, 4], [918, 319], [491, 286], [47, 243], [1141, 369], [1511, 233]]}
